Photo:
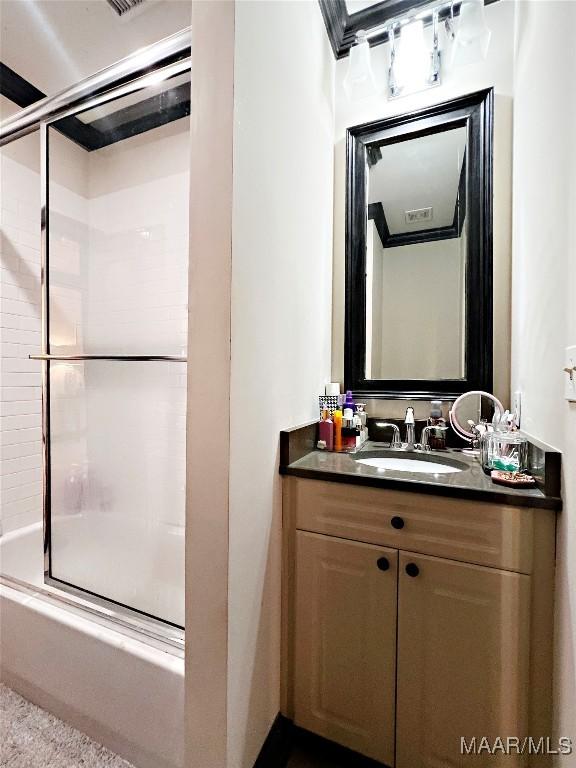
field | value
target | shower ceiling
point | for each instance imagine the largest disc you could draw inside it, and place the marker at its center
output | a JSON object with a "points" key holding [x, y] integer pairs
{"points": [[55, 43], [24, 79]]}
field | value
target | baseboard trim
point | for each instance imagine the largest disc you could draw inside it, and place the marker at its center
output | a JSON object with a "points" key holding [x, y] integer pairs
{"points": [[278, 744], [327, 751], [284, 737]]}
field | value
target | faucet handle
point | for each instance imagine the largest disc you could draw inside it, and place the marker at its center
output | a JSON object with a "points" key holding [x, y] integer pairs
{"points": [[409, 418]]}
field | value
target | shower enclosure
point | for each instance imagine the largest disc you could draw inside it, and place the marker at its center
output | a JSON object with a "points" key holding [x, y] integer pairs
{"points": [[114, 186]]}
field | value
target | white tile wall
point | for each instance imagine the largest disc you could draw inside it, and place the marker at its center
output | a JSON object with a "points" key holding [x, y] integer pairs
{"points": [[138, 271], [20, 392]]}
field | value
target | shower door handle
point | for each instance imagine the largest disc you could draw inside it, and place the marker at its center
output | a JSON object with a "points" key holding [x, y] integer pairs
{"points": [[122, 358]]}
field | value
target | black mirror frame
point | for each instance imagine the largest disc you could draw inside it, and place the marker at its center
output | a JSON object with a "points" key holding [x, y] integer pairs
{"points": [[475, 112]]}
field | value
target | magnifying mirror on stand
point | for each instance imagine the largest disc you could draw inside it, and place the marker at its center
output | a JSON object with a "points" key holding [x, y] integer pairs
{"points": [[468, 420]]}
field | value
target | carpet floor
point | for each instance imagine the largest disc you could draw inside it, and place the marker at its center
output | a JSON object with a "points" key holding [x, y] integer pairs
{"points": [[33, 738]]}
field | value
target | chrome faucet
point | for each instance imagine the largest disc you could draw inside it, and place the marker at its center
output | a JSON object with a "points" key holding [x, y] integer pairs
{"points": [[395, 442], [410, 434]]}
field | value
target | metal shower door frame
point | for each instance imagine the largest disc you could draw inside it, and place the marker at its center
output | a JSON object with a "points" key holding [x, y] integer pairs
{"points": [[122, 615]]}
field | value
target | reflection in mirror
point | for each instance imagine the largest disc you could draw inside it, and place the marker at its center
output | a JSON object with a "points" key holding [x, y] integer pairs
{"points": [[355, 6], [416, 245]]}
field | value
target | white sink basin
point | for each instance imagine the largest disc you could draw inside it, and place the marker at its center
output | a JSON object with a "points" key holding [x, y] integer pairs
{"points": [[409, 465]]}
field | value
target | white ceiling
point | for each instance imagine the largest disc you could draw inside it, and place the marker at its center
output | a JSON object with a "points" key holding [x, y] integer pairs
{"points": [[419, 173], [353, 6], [55, 43]]}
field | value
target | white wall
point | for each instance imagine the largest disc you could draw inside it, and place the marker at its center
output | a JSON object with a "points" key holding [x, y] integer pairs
{"points": [[420, 282], [281, 309], [496, 71], [139, 190], [544, 284], [20, 404], [20, 397], [207, 470]]}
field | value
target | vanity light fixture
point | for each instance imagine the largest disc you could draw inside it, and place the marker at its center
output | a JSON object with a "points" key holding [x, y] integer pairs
{"points": [[414, 63]]}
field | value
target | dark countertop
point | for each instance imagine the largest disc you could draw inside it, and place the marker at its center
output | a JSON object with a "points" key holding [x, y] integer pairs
{"points": [[470, 483]]}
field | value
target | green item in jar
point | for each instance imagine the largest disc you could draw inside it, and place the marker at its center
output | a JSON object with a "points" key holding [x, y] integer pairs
{"points": [[509, 464]]}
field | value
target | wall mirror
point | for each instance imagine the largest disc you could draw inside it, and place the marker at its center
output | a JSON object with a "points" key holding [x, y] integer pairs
{"points": [[419, 252]]}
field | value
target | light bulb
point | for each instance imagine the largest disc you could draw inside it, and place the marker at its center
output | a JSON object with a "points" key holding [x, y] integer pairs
{"points": [[359, 82], [413, 59]]}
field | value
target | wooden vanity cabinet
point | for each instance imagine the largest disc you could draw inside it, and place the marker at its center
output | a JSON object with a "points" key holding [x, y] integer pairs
{"points": [[345, 642], [398, 652], [463, 652]]}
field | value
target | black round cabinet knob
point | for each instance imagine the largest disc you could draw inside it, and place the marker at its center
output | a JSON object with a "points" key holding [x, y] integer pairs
{"points": [[383, 563], [412, 569], [397, 523]]}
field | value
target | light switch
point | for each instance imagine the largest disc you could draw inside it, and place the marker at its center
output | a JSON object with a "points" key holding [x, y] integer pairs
{"points": [[570, 374]]}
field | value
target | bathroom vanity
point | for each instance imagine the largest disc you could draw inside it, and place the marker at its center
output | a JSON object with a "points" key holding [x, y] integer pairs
{"points": [[417, 609], [418, 599]]}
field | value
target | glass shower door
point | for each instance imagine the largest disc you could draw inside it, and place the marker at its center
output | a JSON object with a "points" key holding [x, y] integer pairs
{"points": [[117, 276]]}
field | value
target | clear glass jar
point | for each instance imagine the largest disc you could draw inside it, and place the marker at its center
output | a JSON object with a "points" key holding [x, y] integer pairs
{"points": [[507, 451]]}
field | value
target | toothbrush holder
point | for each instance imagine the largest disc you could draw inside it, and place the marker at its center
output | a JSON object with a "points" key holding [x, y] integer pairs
{"points": [[506, 451]]}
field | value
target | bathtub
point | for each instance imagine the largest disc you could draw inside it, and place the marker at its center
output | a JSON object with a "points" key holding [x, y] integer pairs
{"points": [[124, 690]]}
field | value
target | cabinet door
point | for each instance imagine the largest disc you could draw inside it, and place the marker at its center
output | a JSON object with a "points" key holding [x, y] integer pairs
{"points": [[345, 642], [463, 636]]}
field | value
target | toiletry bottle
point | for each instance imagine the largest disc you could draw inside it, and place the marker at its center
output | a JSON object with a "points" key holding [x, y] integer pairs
{"points": [[349, 402], [362, 422], [358, 429], [349, 431], [437, 439], [337, 417], [326, 429]]}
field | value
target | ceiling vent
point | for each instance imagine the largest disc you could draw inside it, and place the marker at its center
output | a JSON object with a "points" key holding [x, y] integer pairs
{"points": [[123, 6], [418, 215]]}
